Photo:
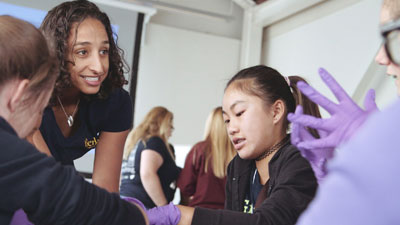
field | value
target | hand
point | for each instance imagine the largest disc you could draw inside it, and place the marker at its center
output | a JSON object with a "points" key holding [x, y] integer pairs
{"points": [[316, 156], [346, 117], [164, 215]]}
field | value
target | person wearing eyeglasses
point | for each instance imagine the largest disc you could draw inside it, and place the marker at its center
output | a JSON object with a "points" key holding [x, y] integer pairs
{"points": [[389, 53], [361, 185]]}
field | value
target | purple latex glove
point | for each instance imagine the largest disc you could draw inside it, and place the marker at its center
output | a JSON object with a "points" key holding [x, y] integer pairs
{"points": [[164, 215], [346, 117], [134, 200], [316, 156], [20, 218]]}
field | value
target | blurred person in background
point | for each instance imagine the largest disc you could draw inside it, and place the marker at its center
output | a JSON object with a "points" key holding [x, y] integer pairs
{"points": [[149, 171], [202, 180]]}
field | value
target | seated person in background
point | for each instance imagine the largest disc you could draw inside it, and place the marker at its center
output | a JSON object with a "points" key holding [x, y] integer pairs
{"points": [[149, 172], [47, 191], [202, 180]]}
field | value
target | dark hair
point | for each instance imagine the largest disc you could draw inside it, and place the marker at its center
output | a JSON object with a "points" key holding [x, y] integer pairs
{"points": [[269, 85], [57, 26], [24, 54]]}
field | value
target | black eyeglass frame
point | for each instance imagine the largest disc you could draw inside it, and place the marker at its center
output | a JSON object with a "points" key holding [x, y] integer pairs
{"points": [[385, 30]]}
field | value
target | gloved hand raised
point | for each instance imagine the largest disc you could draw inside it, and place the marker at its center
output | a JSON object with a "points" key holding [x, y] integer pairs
{"points": [[316, 156], [346, 117]]}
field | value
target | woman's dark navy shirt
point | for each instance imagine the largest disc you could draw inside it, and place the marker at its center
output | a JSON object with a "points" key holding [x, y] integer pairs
{"points": [[113, 114], [131, 183]]}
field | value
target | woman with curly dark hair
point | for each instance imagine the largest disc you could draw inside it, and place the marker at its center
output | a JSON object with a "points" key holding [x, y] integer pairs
{"points": [[88, 108]]}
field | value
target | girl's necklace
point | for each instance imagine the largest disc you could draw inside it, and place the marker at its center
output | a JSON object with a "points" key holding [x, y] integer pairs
{"points": [[70, 118], [274, 148]]}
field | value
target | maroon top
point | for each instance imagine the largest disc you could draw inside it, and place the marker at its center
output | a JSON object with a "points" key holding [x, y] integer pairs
{"points": [[207, 190]]}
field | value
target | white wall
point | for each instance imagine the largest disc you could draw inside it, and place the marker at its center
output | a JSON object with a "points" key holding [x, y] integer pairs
{"points": [[344, 41], [186, 72], [217, 17]]}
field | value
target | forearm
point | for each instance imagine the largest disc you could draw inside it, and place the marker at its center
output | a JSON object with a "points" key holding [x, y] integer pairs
{"points": [[152, 185], [53, 194], [108, 160], [111, 184], [204, 216], [186, 215], [100, 207]]}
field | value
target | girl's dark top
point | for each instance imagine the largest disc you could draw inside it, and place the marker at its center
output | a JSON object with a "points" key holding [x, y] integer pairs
{"points": [[208, 191], [131, 183], [113, 114], [289, 190], [51, 193]]}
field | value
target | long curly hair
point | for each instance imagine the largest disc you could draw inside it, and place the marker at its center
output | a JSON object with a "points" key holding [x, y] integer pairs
{"points": [[57, 26]]}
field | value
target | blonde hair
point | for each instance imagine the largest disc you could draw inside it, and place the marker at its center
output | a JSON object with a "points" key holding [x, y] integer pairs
{"points": [[220, 151], [157, 122]]}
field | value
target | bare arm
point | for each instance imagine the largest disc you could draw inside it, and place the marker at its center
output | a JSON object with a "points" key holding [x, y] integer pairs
{"points": [[108, 160], [150, 162], [186, 215]]}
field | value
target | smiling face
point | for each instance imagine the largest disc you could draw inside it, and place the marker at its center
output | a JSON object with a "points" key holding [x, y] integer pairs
{"points": [[88, 51], [382, 58], [251, 125]]}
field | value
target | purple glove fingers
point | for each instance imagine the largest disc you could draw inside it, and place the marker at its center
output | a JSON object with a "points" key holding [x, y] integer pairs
{"points": [[322, 133], [316, 144], [316, 97], [295, 137], [301, 135], [307, 154], [305, 137], [308, 135], [295, 134], [317, 153], [369, 101], [316, 156], [309, 121], [303, 132], [333, 85]]}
